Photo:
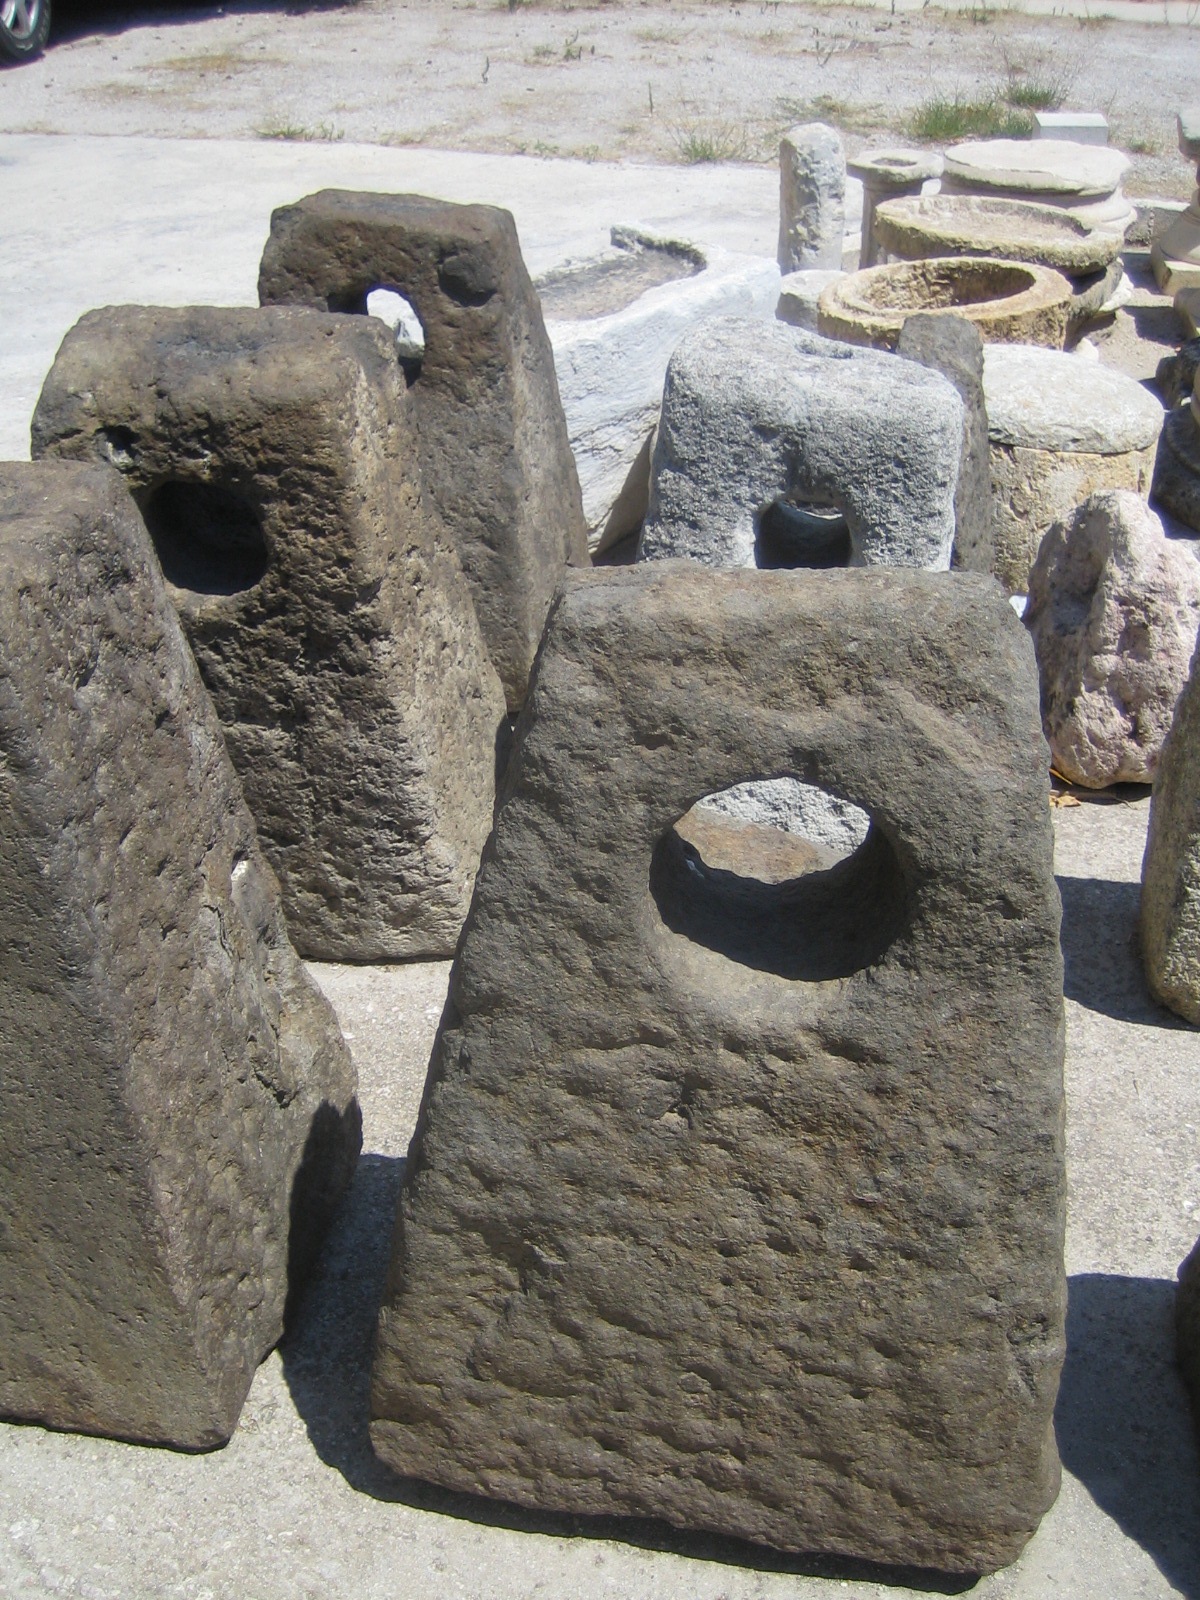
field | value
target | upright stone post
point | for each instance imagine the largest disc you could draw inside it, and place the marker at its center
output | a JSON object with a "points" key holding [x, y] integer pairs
{"points": [[272, 455], [812, 198], [490, 431], [177, 1107], [739, 1202]]}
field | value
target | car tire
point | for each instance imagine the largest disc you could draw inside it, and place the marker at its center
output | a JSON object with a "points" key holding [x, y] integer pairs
{"points": [[24, 28]]}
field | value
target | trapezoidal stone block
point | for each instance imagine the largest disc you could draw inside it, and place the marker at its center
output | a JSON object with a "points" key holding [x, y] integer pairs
{"points": [[177, 1108], [778, 448], [491, 435], [271, 454], [733, 1202]]}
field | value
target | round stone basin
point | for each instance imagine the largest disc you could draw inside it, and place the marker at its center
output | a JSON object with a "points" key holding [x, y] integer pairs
{"points": [[1008, 301], [918, 227]]}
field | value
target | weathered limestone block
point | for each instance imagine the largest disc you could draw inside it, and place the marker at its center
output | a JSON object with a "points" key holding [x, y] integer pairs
{"points": [[491, 436], [712, 1216], [1060, 431], [271, 455], [779, 448], [812, 198], [177, 1107], [1170, 916], [1114, 608], [953, 347]]}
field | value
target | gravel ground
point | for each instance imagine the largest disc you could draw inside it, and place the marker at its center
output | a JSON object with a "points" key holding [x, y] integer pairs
{"points": [[660, 80]]}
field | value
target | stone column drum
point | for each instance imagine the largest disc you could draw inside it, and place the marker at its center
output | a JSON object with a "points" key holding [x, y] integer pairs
{"points": [[271, 453], [733, 1202], [177, 1107], [491, 436], [812, 198]]}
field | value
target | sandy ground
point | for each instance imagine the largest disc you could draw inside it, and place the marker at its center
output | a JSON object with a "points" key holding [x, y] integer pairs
{"points": [[661, 80]]}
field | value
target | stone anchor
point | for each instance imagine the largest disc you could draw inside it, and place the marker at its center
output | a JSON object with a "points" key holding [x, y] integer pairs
{"points": [[733, 1202]]}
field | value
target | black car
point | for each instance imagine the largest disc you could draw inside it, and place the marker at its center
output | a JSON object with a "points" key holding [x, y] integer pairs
{"points": [[24, 26]]}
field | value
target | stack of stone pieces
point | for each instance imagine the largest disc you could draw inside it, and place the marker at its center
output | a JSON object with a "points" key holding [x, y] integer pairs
{"points": [[1084, 179], [361, 545]]}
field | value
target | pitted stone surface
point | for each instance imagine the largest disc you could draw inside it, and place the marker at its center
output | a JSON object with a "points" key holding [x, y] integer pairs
{"points": [[1170, 914], [812, 198], [1113, 610], [177, 1107], [953, 347], [490, 431], [272, 454], [686, 1237], [918, 226], [1177, 466], [754, 413]]}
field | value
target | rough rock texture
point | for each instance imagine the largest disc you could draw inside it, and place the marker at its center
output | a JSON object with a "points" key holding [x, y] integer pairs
{"points": [[1176, 374], [812, 198], [1177, 465], [177, 1107], [271, 453], [1060, 431], [779, 448], [1170, 916], [1008, 301], [953, 347], [611, 359], [799, 293], [490, 431], [1114, 608], [711, 1215]]}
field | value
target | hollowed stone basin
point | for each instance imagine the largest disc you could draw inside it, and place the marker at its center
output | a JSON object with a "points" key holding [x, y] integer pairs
{"points": [[1009, 302], [917, 227]]}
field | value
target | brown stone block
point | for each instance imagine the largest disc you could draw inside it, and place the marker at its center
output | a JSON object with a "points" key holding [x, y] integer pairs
{"points": [[177, 1107], [491, 434], [734, 1201], [271, 453]]}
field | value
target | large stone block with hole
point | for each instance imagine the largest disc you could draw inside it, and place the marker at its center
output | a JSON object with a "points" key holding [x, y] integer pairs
{"points": [[271, 454], [177, 1107], [737, 1193], [489, 425], [778, 448]]}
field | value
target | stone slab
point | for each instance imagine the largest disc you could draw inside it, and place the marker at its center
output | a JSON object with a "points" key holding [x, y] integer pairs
{"points": [[177, 1107], [272, 452], [856, 1348], [1039, 166], [490, 432], [1079, 127], [1045, 399]]}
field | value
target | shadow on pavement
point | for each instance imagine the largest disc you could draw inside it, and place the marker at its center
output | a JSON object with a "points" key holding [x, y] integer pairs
{"points": [[1103, 968], [327, 1366], [76, 19], [1123, 1422]]}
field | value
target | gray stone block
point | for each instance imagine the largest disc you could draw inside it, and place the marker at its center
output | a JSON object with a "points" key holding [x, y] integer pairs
{"points": [[1170, 915], [812, 198], [490, 431], [177, 1107], [739, 1203], [777, 447], [954, 347], [271, 453]]}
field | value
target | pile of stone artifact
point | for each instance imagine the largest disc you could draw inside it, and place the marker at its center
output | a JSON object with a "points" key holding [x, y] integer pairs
{"points": [[762, 778]]}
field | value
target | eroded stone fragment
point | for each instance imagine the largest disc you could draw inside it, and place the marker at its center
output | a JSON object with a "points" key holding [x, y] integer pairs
{"points": [[714, 1215], [812, 198], [953, 346], [778, 448], [271, 454], [491, 436], [177, 1107], [1113, 609], [1170, 914]]}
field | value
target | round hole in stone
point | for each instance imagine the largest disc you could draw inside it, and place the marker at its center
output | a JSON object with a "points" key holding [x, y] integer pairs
{"points": [[391, 307], [782, 877], [790, 532], [208, 539]]}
